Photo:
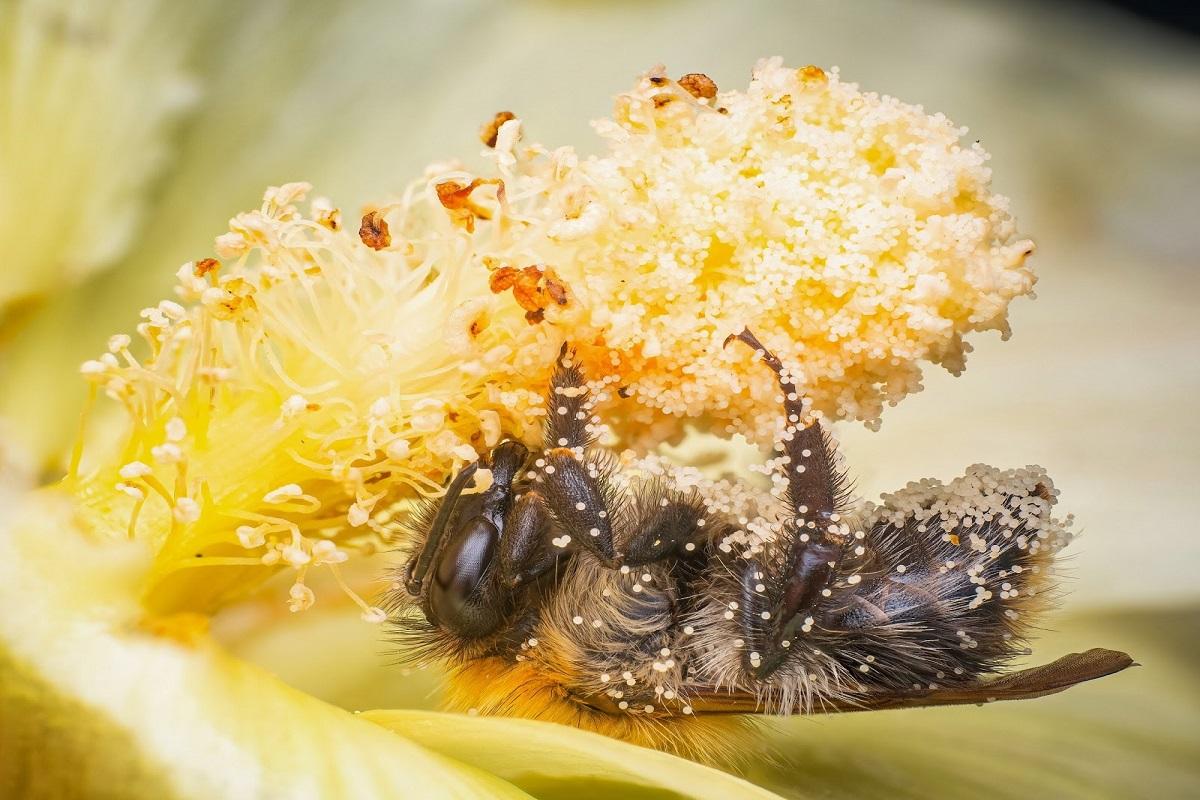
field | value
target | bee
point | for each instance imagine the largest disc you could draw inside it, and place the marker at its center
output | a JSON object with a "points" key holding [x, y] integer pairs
{"points": [[645, 610]]}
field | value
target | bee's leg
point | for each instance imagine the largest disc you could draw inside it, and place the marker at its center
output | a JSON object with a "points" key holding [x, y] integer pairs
{"points": [[567, 406], [815, 493], [770, 619], [815, 485], [576, 487], [575, 482], [528, 548], [671, 526]]}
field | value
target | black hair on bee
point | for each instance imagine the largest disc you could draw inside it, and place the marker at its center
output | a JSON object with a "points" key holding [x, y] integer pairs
{"points": [[570, 590]]}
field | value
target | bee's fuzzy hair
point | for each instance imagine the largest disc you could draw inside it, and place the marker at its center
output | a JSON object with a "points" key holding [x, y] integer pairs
{"points": [[936, 588]]}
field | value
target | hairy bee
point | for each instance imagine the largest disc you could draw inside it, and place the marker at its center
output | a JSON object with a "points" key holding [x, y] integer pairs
{"points": [[646, 610]]}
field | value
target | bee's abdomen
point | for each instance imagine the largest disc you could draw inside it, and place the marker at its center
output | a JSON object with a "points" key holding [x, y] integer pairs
{"points": [[949, 578]]}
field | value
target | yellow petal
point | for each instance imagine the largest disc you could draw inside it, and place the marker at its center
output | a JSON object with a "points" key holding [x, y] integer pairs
{"points": [[549, 760], [92, 703], [92, 95]]}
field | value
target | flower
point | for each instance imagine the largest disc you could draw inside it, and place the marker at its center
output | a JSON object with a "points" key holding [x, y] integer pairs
{"points": [[853, 233], [97, 691], [296, 392], [318, 373], [70, 202]]}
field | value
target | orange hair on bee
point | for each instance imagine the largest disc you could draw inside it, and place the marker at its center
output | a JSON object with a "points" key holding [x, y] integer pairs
{"points": [[498, 687]]}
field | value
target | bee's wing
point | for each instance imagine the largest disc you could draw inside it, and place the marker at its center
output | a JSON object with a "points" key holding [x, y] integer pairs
{"points": [[1020, 685]]}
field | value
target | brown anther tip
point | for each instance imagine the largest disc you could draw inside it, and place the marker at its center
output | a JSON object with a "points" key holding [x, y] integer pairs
{"points": [[813, 74], [661, 100], [456, 199], [453, 194], [491, 129], [699, 85], [658, 80], [535, 316], [374, 231], [503, 279], [204, 266], [556, 290]]}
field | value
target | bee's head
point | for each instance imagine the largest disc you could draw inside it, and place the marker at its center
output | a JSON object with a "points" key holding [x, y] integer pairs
{"points": [[460, 542]]}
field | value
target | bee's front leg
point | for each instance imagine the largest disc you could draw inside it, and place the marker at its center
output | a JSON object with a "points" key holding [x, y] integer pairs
{"points": [[578, 493], [529, 547]]}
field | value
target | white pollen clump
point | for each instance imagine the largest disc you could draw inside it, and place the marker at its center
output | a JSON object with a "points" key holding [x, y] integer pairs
{"points": [[482, 480], [983, 494], [132, 491], [134, 470], [300, 597], [250, 537], [357, 515], [176, 429], [168, 453]]}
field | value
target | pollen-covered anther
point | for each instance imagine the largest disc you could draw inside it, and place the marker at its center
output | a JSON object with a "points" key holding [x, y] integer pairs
{"points": [[699, 85], [490, 131], [456, 198], [374, 231]]}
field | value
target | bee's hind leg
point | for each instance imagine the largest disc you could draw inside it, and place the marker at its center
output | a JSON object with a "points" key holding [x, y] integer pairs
{"points": [[816, 487], [816, 493]]}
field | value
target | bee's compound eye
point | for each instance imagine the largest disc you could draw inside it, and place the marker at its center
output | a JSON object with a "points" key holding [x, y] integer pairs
{"points": [[460, 569]]}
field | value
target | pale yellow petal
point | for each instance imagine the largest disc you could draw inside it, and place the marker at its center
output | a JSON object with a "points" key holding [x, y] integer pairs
{"points": [[96, 702], [91, 95], [554, 761]]}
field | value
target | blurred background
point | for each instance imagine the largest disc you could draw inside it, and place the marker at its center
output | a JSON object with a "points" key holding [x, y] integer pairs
{"points": [[131, 131]]}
